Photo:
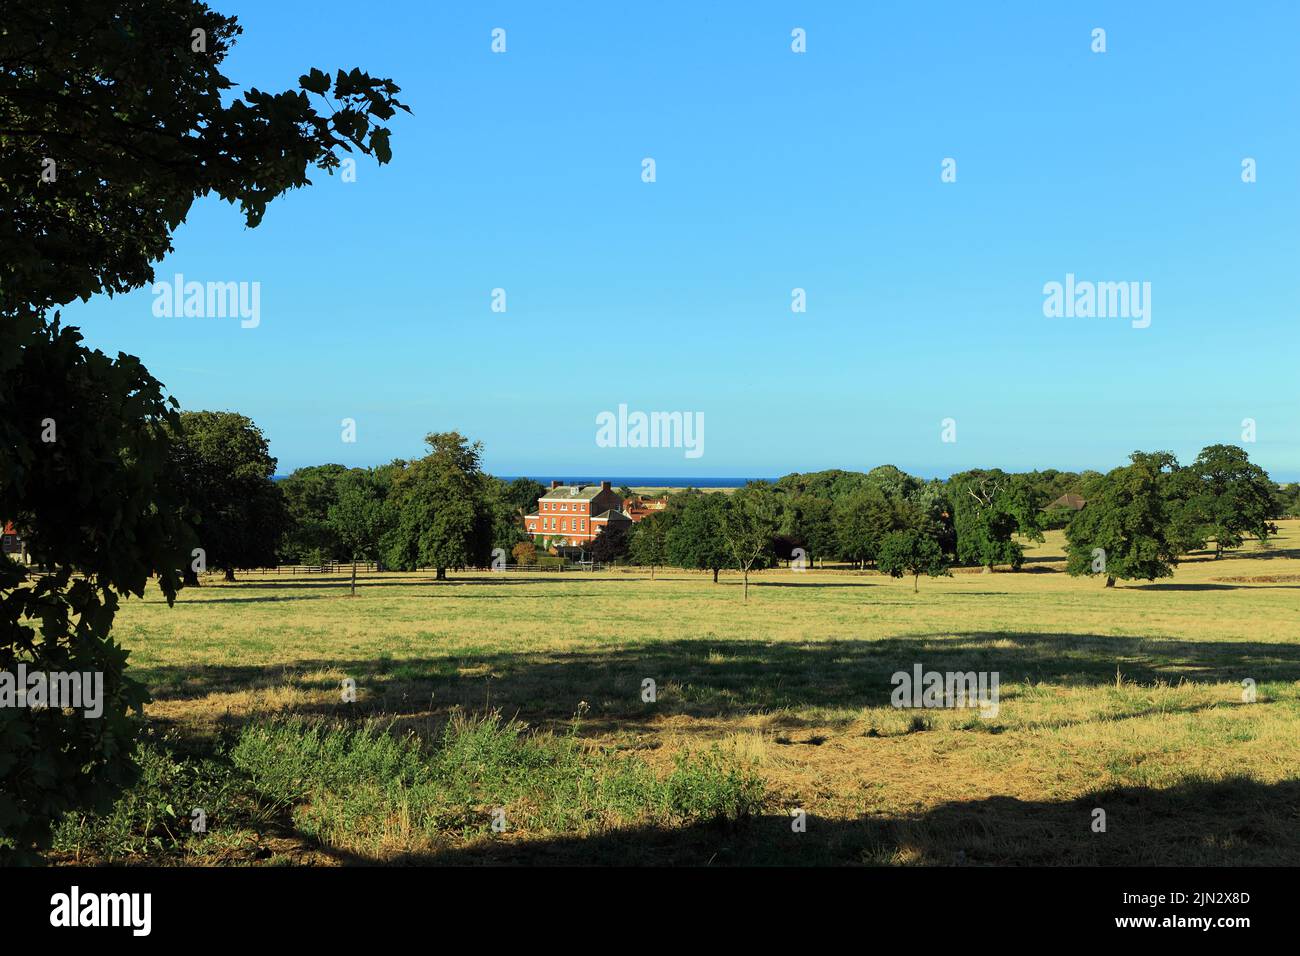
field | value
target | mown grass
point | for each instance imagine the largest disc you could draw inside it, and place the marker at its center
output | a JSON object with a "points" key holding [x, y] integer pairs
{"points": [[1130, 699]]}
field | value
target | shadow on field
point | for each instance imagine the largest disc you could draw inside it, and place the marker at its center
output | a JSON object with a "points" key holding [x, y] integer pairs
{"points": [[703, 678], [1233, 822]]}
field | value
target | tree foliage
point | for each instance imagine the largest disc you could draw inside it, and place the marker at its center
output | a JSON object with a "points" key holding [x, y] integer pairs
{"points": [[442, 515], [131, 105], [1230, 497], [694, 535], [990, 507], [750, 520], [1125, 530], [913, 552], [227, 471], [114, 118], [86, 475]]}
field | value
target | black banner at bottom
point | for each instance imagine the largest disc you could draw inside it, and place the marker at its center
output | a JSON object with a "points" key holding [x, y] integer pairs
{"points": [[348, 905]]}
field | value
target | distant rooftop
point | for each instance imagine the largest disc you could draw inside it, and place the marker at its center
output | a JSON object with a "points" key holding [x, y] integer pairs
{"points": [[573, 492]]}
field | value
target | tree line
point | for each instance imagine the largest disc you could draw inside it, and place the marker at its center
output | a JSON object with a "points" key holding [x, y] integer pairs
{"points": [[443, 511]]}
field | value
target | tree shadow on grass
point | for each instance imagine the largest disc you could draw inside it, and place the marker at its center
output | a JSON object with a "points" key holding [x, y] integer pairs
{"points": [[721, 679], [1233, 822]]}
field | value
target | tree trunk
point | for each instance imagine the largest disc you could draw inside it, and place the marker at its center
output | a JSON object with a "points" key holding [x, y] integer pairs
{"points": [[354, 575], [441, 574], [189, 577], [230, 574], [746, 585], [916, 581], [715, 575], [1110, 582]]}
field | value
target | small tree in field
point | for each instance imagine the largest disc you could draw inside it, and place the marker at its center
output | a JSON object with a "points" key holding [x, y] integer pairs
{"points": [[649, 541], [525, 552], [359, 517], [912, 552], [749, 522]]}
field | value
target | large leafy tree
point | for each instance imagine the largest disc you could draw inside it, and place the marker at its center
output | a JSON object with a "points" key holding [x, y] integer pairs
{"points": [[86, 475], [227, 472], [128, 100], [1124, 532], [114, 117], [442, 514], [695, 536], [992, 506], [1230, 497]]}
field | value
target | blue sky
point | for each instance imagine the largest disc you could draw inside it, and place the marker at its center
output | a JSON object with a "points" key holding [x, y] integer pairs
{"points": [[775, 170]]}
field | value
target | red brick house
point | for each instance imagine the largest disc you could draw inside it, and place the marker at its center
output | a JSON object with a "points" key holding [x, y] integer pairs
{"points": [[572, 515]]}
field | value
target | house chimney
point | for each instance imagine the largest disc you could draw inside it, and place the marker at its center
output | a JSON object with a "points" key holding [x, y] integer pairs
{"points": [[604, 486], [555, 483]]}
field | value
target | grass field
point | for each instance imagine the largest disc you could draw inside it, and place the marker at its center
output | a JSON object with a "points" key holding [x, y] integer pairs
{"points": [[524, 693]]}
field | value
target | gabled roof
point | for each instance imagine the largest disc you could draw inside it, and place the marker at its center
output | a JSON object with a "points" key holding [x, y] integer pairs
{"points": [[611, 513], [1073, 502]]}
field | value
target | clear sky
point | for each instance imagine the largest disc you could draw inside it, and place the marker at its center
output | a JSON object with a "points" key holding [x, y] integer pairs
{"points": [[774, 170]]}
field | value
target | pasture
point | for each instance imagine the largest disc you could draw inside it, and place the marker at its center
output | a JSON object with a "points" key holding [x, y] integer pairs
{"points": [[1128, 699]]}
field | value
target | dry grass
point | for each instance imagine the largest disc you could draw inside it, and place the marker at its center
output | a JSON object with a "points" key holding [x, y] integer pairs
{"points": [[1133, 693]]}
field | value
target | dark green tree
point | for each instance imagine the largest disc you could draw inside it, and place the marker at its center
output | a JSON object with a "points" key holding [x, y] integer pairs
{"points": [[87, 477], [129, 103], [1124, 532], [862, 519], [695, 537], [442, 515], [611, 545], [233, 503], [912, 552], [808, 522], [1231, 497], [309, 537], [114, 118], [991, 507]]}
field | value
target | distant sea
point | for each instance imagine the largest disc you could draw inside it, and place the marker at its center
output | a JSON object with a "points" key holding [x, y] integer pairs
{"points": [[635, 481], [640, 481]]}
